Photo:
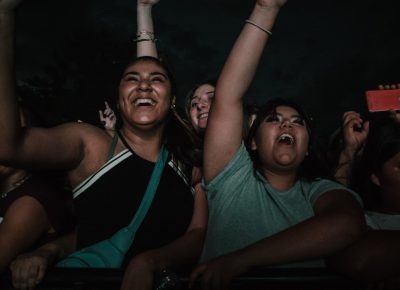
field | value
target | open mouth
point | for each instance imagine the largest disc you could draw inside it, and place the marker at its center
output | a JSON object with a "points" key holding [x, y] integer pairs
{"points": [[144, 102], [287, 139], [203, 116]]}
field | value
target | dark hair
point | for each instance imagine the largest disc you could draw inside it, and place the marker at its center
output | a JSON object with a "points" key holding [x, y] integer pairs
{"points": [[383, 142], [178, 137], [312, 165]]}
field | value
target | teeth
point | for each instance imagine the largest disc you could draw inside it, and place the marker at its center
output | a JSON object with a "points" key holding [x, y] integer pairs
{"points": [[147, 102], [286, 138], [203, 115]]}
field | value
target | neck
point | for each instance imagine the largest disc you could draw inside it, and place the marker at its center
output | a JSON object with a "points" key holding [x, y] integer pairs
{"points": [[281, 181], [145, 144]]}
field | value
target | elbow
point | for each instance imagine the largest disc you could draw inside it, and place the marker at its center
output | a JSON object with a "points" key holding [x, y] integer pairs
{"points": [[354, 227], [351, 265], [346, 229]]}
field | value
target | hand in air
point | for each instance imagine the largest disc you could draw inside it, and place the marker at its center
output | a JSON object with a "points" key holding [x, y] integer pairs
{"points": [[9, 5], [107, 117], [148, 2]]}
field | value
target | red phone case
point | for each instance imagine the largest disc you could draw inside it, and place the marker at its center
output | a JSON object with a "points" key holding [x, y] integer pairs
{"points": [[383, 100]]}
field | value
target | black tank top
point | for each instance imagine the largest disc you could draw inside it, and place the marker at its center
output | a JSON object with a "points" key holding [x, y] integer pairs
{"points": [[107, 201]]}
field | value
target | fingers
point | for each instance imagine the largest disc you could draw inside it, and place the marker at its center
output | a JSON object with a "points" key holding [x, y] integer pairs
{"points": [[352, 119], [394, 115], [389, 87], [366, 127], [26, 274], [196, 273], [41, 273], [101, 117]]}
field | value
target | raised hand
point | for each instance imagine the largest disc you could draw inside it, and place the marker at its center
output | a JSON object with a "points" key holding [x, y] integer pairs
{"points": [[394, 115], [389, 87], [355, 132], [107, 117], [271, 3], [8, 5], [148, 2]]}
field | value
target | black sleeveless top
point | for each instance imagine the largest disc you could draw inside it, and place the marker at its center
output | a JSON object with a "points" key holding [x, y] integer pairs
{"points": [[106, 202]]}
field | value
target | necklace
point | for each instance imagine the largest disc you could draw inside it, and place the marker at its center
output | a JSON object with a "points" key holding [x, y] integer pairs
{"points": [[15, 184]]}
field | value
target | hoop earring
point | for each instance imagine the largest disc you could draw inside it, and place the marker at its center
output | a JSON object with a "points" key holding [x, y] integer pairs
{"points": [[173, 102]]}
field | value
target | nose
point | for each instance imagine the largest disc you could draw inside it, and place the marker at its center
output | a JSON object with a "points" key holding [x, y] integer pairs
{"points": [[286, 123], [202, 104], [144, 85]]}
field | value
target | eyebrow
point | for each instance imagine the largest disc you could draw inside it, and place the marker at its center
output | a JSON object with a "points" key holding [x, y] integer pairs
{"points": [[156, 73], [292, 116], [207, 93]]}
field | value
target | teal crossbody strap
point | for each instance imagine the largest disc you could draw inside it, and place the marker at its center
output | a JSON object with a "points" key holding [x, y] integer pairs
{"points": [[113, 145], [110, 253], [124, 237]]}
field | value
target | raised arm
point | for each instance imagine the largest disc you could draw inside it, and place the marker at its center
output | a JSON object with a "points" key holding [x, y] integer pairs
{"points": [[62, 146], [145, 38], [9, 117], [354, 134], [224, 128]]}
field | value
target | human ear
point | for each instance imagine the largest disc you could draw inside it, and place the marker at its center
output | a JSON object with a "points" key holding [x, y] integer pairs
{"points": [[253, 144], [173, 100]]}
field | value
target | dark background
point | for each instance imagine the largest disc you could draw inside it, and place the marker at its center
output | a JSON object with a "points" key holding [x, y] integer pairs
{"points": [[323, 53]]}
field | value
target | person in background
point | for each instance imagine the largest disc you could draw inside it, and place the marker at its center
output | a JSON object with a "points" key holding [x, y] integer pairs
{"points": [[347, 146], [197, 105], [264, 208], [107, 118], [395, 115], [109, 174], [376, 176], [33, 209]]}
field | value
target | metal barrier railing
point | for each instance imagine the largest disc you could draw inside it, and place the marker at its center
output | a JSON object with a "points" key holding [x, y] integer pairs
{"points": [[259, 279]]}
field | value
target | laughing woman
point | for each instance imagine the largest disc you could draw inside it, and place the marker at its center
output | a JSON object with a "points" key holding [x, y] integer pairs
{"points": [[110, 173], [265, 208]]}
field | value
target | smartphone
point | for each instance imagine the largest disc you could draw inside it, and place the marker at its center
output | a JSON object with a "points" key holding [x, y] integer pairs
{"points": [[383, 100]]}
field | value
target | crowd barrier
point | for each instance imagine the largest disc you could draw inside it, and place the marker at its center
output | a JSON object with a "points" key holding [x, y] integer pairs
{"points": [[260, 279]]}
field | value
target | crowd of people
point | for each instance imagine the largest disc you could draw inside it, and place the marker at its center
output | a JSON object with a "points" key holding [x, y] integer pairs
{"points": [[217, 191]]}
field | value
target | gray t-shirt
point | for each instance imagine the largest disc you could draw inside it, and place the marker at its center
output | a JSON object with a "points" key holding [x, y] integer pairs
{"points": [[244, 208], [382, 221]]}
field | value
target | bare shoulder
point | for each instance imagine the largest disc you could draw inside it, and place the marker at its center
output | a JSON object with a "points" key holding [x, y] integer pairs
{"points": [[96, 144]]}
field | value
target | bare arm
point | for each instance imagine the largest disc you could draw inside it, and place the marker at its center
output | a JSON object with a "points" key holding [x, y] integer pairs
{"points": [[182, 252], [224, 128], [24, 223], [375, 257], [61, 146], [146, 45], [338, 222], [355, 134], [9, 117], [29, 269]]}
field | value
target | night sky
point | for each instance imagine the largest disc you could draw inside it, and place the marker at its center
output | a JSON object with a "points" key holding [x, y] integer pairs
{"points": [[323, 53]]}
